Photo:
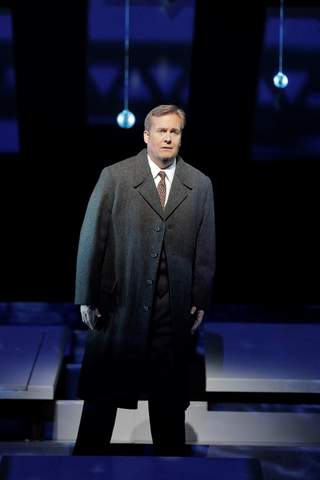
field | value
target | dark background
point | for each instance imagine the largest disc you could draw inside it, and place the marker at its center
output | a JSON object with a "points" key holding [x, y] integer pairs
{"points": [[267, 213]]}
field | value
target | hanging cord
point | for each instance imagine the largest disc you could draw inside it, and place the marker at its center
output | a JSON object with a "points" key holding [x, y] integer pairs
{"points": [[126, 119], [126, 56], [281, 37], [280, 80]]}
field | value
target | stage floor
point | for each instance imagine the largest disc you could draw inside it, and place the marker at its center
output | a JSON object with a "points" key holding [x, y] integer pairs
{"points": [[276, 463]]}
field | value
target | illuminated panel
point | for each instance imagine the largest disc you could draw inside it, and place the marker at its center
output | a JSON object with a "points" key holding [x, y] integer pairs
{"points": [[160, 42], [286, 121]]}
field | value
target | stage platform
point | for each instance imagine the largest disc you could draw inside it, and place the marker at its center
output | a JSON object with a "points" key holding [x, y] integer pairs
{"points": [[276, 361], [128, 468], [257, 353], [31, 358], [262, 358]]}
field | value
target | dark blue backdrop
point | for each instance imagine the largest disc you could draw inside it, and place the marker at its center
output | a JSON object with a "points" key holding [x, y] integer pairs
{"points": [[61, 86]]}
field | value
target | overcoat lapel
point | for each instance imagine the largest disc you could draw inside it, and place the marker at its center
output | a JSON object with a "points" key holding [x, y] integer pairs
{"points": [[178, 194], [181, 185], [142, 181], [148, 191]]}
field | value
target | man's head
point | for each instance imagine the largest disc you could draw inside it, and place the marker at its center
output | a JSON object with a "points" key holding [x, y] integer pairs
{"points": [[162, 134]]}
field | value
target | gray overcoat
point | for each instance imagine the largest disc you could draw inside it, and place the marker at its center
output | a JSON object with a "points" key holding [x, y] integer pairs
{"points": [[119, 250]]}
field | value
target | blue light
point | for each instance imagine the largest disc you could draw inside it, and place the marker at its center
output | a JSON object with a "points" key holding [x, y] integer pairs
{"points": [[126, 119], [280, 80]]}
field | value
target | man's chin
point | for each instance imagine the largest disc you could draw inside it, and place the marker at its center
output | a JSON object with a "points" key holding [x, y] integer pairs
{"points": [[166, 161], [168, 156]]}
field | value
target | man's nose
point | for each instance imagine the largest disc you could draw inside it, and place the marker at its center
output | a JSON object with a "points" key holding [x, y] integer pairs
{"points": [[167, 138]]}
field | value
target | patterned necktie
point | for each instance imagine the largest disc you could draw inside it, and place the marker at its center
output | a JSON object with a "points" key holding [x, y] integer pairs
{"points": [[162, 188]]}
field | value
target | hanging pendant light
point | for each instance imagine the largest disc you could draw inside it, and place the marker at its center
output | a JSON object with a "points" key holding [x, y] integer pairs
{"points": [[126, 119], [280, 80]]}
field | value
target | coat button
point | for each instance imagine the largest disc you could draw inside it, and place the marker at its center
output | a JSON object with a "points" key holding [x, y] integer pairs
{"points": [[146, 308], [157, 229], [154, 255], [149, 282]]}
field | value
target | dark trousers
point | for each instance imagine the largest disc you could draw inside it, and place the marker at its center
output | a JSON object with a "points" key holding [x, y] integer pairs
{"points": [[166, 410], [166, 407]]}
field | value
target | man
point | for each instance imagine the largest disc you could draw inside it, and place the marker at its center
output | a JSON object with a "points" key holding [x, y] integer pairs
{"points": [[143, 269]]}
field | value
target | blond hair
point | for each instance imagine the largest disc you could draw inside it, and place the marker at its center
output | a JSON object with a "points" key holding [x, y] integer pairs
{"points": [[164, 110]]}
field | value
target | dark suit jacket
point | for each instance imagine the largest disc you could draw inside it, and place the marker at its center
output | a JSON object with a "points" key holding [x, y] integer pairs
{"points": [[121, 239]]}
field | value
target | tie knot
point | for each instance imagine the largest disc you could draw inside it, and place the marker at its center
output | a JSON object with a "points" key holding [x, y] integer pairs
{"points": [[162, 174]]}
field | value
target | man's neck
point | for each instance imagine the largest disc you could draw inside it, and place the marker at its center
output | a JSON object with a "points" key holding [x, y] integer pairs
{"points": [[162, 163]]}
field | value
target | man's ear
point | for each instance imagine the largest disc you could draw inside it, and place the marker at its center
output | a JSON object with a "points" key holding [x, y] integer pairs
{"points": [[146, 136]]}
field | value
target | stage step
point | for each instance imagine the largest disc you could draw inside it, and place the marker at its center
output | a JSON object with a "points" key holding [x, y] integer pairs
{"points": [[203, 427]]}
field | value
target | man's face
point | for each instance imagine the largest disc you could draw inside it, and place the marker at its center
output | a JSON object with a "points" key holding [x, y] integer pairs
{"points": [[163, 139]]}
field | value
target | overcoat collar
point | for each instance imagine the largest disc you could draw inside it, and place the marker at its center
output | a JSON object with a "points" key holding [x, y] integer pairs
{"points": [[143, 181]]}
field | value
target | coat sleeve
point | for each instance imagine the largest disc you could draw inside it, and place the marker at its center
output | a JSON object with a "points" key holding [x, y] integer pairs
{"points": [[205, 257], [92, 242]]}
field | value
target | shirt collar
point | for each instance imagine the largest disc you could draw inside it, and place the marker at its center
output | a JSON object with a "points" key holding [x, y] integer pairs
{"points": [[168, 170]]}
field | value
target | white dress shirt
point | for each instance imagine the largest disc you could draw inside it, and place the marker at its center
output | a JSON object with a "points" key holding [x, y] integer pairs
{"points": [[169, 171]]}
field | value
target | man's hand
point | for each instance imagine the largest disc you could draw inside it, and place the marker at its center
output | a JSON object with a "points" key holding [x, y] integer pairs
{"points": [[198, 319], [88, 315]]}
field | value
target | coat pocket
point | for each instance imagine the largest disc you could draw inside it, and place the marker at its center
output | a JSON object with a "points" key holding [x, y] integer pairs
{"points": [[108, 297]]}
